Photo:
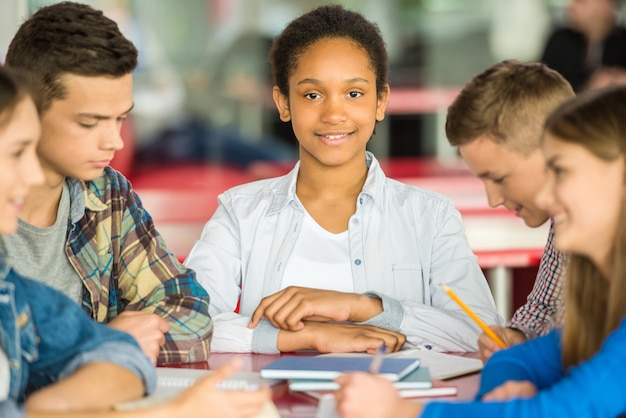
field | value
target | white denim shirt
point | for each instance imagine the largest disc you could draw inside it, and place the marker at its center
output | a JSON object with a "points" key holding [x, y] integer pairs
{"points": [[404, 243]]}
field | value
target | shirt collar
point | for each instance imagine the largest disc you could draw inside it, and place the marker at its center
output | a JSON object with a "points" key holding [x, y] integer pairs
{"points": [[81, 199], [285, 190], [375, 180]]}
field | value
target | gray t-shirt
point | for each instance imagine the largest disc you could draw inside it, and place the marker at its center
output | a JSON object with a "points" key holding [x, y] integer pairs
{"points": [[39, 253]]}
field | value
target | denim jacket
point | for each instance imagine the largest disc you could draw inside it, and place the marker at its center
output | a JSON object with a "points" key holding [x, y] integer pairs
{"points": [[46, 337]]}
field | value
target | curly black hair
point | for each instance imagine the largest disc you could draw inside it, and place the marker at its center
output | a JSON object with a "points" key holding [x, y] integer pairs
{"points": [[332, 21], [69, 38]]}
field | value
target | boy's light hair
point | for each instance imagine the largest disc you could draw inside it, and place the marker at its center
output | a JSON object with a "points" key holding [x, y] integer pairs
{"points": [[509, 102]]}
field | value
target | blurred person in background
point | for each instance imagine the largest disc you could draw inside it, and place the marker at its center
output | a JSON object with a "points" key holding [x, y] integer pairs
{"points": [[591, 51]]}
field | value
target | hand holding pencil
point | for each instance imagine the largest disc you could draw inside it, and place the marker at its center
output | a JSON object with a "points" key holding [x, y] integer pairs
{"points": [[487, 346], [475, 317]]}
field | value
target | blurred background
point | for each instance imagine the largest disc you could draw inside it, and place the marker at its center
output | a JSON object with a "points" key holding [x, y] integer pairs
{"points": [[204, 120], [202, 88]]}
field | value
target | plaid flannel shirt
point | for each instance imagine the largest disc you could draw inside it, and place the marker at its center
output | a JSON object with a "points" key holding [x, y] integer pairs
{"points": [[125, 265], [543, 308]]}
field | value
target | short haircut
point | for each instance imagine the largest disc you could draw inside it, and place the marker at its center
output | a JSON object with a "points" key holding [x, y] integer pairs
{"points": [[69, 38], [326, 22], [509, 102]]}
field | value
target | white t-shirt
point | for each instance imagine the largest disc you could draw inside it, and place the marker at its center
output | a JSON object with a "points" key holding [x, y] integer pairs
{"points": [[5, 376], [320, 259]]}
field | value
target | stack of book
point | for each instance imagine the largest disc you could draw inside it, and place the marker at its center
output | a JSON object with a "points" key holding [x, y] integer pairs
{"points": [[315, 375]]}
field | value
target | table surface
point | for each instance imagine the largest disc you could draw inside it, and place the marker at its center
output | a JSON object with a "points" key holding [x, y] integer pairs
{"points": [[297, 405]]}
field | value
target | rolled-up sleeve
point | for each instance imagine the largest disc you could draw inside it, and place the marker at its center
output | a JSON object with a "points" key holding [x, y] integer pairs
{"points": [[123, 354]]}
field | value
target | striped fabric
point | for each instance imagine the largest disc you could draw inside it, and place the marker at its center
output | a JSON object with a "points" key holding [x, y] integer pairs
{"points": [[543, 308], [125, 265]]}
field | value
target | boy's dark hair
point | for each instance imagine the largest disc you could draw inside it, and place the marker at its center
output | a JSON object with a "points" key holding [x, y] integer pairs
{"points": [[69, 38], [325, 22]]}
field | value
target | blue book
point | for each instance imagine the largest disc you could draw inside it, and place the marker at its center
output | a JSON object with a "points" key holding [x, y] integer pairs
{"points": [[417, 379], [329, 367]]}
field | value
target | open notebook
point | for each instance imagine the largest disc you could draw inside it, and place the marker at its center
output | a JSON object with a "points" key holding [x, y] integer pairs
{"points": [[171, 381], [441, 366]]}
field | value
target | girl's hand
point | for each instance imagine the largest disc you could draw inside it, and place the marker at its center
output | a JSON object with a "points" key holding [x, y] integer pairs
{"points": [[204, 399], [366, 395], [290, 307], [328, 337]]}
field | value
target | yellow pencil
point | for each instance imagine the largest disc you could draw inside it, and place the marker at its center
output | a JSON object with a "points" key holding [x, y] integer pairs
{"points": [[475, 317]]}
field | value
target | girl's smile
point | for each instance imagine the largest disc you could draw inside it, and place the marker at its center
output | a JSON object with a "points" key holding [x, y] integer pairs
{"points": [[583, 194]]}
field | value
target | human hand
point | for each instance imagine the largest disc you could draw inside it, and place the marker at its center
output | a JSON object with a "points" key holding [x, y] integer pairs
{"points": [[204, 399], [511, 390], [487, 346], [367, 395], [82, 390], [605, 76], [147, 328], [329, 337], [288, 308]]}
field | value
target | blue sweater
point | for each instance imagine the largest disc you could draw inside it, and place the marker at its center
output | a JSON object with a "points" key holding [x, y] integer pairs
{"points": [[594, 388]]}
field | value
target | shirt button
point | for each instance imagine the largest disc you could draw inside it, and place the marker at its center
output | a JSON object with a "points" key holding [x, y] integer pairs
{"points": [[355, 222], [357, 261], [360, 200]]}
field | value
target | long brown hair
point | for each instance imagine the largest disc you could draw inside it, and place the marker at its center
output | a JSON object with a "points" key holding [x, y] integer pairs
{"points": [[594, 305]]}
